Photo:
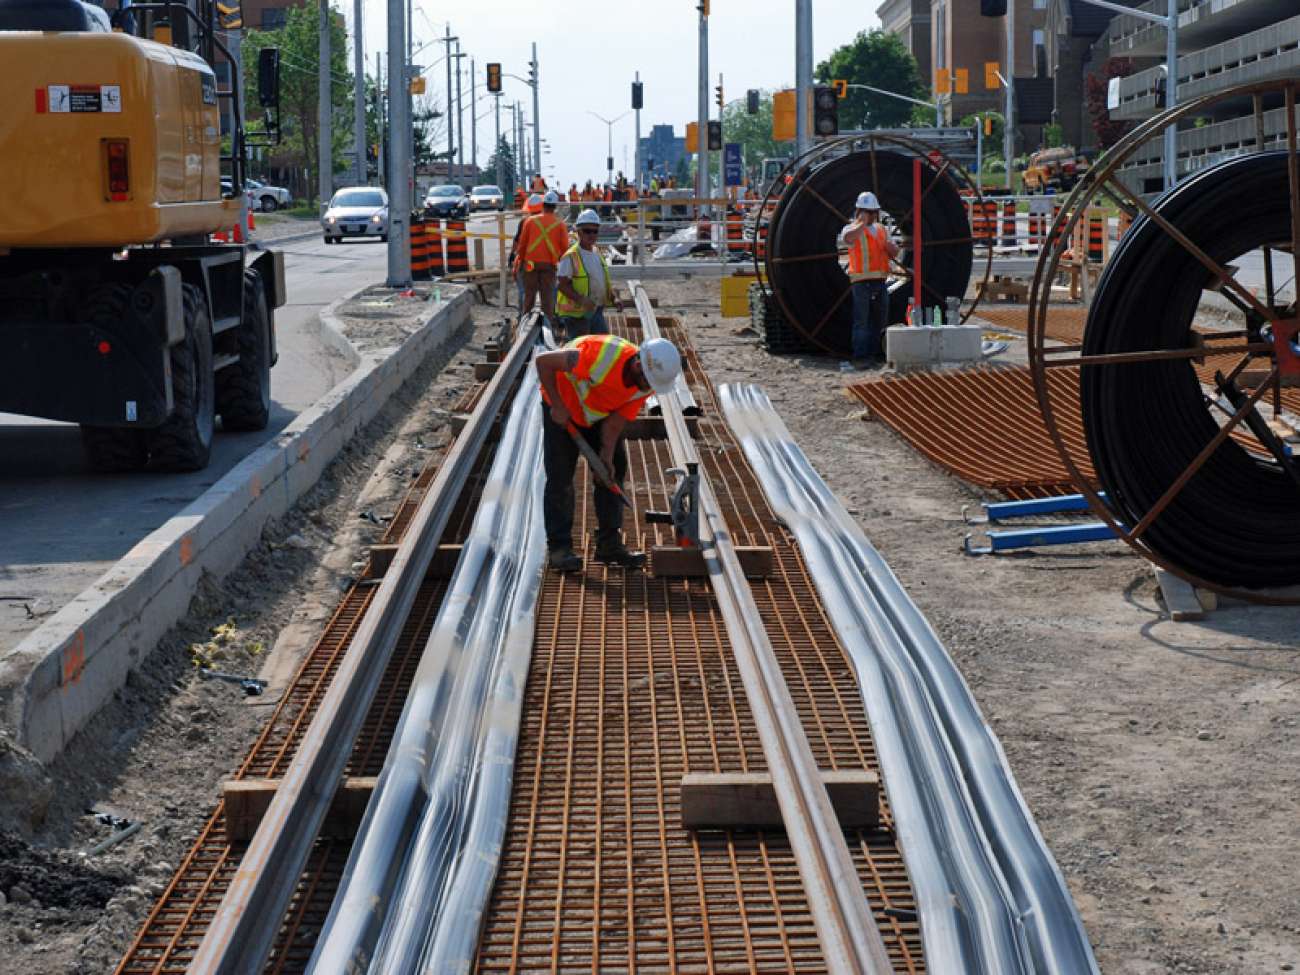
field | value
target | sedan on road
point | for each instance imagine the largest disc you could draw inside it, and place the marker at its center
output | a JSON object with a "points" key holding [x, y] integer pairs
{"points": [[357, 211], [446, 201], [487, 198]]}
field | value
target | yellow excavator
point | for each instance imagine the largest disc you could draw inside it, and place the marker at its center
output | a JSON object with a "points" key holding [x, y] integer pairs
{"points": [[118, 311]]}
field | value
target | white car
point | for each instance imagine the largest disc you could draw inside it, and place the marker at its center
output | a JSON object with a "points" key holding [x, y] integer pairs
{"points": [[486, 198], [356, 211], [268, 198]]}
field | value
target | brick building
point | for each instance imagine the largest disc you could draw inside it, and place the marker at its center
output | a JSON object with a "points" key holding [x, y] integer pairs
{"points": [[909, 21], [1076, 48]]}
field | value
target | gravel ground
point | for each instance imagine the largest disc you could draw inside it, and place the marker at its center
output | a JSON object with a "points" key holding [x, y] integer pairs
{"points": [[1158, 757], [158, 753]]}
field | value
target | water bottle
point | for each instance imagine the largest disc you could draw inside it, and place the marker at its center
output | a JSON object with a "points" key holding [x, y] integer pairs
{"points": [[911, 309]]}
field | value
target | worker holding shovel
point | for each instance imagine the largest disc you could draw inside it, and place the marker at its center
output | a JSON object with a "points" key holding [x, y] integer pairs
{"points": [[591, 389]]}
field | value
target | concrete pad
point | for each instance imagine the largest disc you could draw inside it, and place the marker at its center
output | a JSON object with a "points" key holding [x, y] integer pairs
{"points": [[62, 673]]}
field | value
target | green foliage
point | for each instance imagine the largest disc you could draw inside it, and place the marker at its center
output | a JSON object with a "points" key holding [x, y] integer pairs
{"points": [[993, 142], [684, 173], [507, 155], [1053, 135], [753, 132], [882, 61], [299, 44]]}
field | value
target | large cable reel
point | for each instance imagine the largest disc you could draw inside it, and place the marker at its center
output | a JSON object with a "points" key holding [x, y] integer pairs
{"points": [[804, 263], [1181, 415]]}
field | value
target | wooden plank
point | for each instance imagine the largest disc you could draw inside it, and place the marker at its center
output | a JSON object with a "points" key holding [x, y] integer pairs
{"points": [[444, 561], [483, 371], [672, 560], [747, 800], [381, 557], [246, 802], [1180, 597]]}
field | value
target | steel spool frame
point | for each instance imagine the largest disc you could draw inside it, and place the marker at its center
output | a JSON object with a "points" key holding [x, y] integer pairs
{"points": [[799, 169], [1282, 322]]}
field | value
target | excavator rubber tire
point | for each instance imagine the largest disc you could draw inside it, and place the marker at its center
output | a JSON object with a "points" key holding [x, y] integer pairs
{"points": [[112, 449], [244, 388], [184, 442]]}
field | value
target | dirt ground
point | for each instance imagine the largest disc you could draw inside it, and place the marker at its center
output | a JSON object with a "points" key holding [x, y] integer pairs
{"points": [[1157, 757], [159, 752]]}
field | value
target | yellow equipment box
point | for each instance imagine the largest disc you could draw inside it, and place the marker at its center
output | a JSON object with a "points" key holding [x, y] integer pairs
{"points": [[107, 140], [735, 295]]}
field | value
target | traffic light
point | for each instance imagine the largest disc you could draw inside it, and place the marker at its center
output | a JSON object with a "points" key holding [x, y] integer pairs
{"points": [[418, 85], [494, 77], [692, 137], [826, 111], [942, 81], [988, 124], [638, 95], [751, 101], [961, 81], [715, 135], [532, 72], [841, 87], [993, 8], [991, 80], [718, 97], [783, 112]]}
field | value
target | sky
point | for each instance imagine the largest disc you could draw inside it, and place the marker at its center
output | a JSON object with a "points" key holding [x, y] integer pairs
{"points": [[589, 51]]}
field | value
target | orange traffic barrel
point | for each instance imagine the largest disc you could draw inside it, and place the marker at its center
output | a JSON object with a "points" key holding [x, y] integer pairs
{"points": [[419, 252], [1096, 238], [1008, 223], [736, 231], [457, 245], [433, 236]]}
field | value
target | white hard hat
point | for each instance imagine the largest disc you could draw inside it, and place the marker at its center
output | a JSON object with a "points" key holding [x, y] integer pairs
{"points": [[587, 217], [662, 364], [551, 198], [867, 201], [535, 200]]}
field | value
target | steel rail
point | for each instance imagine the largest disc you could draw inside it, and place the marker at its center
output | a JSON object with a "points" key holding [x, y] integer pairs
{"points": [[243, 929], [990, 896], [421, 867], [849, 937]]}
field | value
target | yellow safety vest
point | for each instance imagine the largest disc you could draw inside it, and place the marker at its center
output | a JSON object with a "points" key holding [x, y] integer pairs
{"points": [[566, 308]]}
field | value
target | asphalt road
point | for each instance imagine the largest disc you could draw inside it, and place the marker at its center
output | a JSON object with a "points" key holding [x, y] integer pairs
{"points": [[62, 525]]}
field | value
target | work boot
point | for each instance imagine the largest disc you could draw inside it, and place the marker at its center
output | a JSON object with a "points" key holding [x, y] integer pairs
{"points": [[564, 560], [620, 554]]}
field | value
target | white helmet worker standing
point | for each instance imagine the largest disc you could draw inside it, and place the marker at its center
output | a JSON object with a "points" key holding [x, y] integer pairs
{"points": [[584, 286], [551, 198], [661, 363], [867, 201], [870, 251], [587, 218]]}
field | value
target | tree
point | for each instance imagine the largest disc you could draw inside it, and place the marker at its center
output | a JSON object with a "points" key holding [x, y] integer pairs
{"points": [[507, 156], [881, 60], [430, 130], [753, 132], [685, 172], [1108, 132], [299, 44]]}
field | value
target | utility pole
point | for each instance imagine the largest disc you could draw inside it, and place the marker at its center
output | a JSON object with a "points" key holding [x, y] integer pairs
{"points": [[324, 159], [537, 118], [359, 94], [460, 118], [451, 129], [702, 115], [803, 68], [497, 145], [637, 177], [399, 156], [380, 117], [473, 118], [1008, 135]]}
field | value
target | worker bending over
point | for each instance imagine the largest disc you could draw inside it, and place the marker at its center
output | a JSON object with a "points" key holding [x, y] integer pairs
{"points": [[592, 388], [584, 284], [542, 241], [870, 250]]}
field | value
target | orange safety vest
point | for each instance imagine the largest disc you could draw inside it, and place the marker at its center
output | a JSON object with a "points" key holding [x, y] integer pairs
{"points": [[545, 239], [868, 258], [595, 387]]}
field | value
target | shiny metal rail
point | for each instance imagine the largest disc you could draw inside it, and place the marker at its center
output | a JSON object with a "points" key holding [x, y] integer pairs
{"points": [[990, 896], [849, 938], [244, 928]]}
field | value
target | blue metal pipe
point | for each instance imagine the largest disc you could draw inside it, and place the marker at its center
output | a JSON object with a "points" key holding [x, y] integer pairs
{"points": [[1004, 541], [1002, 510]]}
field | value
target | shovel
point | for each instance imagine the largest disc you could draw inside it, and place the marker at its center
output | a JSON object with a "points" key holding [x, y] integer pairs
{"points": [[598, 469]]}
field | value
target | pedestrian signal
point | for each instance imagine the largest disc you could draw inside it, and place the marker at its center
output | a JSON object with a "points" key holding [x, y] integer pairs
{"points": [[494, 77], [841, 88]]}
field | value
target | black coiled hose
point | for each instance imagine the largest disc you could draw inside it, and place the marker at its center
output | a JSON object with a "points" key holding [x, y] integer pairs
{"points": [[814, 209], [1237, 521]]}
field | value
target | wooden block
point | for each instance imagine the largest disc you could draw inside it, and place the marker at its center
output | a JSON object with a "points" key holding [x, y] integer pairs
{"points": [[1180, 597], [381, 557], [246, 802], [688, 563], [746, 800], [483, 371]]}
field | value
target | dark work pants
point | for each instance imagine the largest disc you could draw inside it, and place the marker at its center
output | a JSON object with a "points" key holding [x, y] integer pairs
{"points": [[560, 455], [870, 311]]}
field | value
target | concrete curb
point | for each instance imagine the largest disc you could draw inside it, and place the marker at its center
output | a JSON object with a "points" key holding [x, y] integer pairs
{"points": [[66, 670]]}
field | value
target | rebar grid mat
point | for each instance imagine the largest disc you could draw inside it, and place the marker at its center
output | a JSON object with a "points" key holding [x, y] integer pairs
{"points": [[1064, 324], [632, 684], [984, 425]]}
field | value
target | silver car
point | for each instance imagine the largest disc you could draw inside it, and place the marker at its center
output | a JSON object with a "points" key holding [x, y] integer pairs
{"points": [[358, 211], [486, 198], [269, 198]]}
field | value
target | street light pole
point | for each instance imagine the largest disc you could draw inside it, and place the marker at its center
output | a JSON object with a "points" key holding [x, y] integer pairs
{"points": [[359, 93], [609, 130], [702, 116], [399, 155], [537, 118], [1008, 134], [637, 177], [496, 98], [803, 70], [473, 117], [460, 117], [324, 151]]}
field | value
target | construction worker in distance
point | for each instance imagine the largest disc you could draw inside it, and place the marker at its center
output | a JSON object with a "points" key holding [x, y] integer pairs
{"points": [[532, 206], [539, 184], [870, 251], [542, 242], [592, 388], [580, 306]]}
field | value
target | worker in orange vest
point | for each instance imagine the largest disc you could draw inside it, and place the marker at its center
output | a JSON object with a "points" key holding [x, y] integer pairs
{"points": [[531, 207], [592, 388], [539, 184], [870, 251], [542, 242]]}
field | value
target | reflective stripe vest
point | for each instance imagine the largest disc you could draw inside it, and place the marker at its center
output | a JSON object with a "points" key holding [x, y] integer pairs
{"points": [[594, 388], [567, 308], [868, 259], [544, 239]]}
